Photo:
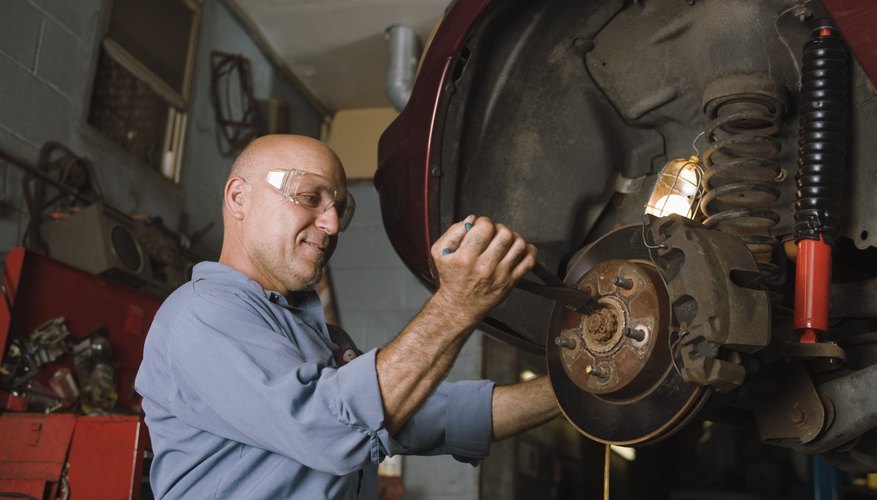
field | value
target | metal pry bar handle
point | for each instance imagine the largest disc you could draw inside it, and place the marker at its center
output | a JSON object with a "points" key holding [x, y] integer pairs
{"points": [[555, 289]]}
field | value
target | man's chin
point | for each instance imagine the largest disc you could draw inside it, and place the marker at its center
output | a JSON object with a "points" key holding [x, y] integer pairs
{"points": [[314, 279], [317, 278]]}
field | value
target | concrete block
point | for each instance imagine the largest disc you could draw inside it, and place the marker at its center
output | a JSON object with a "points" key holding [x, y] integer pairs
{"points": [[365, 247], [63, 61], [79, 17], [365, 243], [11, 193], [468, 363], [367, 289], [415, 294], [38, 113], [20, 25], [13, 213], [439, 478], [14, 144], [156, 196], [366, 199], [384, 326]]}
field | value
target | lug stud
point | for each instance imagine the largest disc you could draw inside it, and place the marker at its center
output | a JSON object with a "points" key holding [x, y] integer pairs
{"points": [[596, 371], [622, 282], [633, 333], [565, 342]]}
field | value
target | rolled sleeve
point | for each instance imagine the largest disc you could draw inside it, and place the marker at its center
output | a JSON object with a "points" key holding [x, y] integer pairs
{"points": [[470, 420], [359, 403], [455, 420]]}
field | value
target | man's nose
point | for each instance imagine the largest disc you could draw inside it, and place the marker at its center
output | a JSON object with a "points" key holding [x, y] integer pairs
{"points": [[329, 221]]}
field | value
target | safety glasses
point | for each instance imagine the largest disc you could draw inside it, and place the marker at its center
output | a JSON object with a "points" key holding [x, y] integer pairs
{"points": [[313, 192]]}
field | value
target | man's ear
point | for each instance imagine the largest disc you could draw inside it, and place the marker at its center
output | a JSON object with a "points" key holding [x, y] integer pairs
{"points": [[236, 197]]}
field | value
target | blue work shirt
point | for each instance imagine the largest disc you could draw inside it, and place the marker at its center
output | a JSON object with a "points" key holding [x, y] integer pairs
{"points": [[244, 399]]}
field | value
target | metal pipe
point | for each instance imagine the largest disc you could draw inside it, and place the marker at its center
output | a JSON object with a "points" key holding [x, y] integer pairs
{"points": [[404, 54]]}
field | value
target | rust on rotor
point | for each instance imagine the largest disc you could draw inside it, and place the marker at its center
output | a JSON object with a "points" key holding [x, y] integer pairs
{"points": [[604, 360]]}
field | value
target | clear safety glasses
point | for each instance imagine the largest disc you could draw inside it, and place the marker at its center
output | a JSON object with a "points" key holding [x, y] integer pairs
{"points": [[313, 192]]}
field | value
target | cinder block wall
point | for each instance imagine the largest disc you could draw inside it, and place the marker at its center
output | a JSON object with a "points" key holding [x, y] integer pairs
{"points": [[48, 52]]}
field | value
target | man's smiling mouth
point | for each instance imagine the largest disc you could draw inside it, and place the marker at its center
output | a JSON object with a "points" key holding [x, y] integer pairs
{"points": [[319, 246]]}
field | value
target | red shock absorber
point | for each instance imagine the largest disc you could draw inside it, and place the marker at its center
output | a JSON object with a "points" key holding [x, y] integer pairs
{"points": [[812, 287], [822, 147]]}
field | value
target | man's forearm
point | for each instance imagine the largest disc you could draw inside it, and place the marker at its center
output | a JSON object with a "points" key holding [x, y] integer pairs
{"points": [[412, 365], [478, 263], [519, 407]]}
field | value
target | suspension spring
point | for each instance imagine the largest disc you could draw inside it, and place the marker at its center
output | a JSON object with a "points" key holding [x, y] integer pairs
{"points": [[740, 178]]}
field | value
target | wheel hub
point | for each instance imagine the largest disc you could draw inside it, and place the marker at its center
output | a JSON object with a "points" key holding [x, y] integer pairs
{"points": [[611, 370]]}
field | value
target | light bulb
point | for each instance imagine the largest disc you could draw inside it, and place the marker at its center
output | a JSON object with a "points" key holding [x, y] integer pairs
{"points": [[676, 189]]}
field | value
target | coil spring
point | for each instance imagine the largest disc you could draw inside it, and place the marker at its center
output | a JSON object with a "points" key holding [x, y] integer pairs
{"points": [[822, 135], [740, 174]]}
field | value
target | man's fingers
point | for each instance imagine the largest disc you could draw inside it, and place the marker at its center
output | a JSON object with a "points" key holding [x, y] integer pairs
{"points": [[501, 246], [526, 263], [515, 255], [450, 241], [472, 241], [519, 260]]}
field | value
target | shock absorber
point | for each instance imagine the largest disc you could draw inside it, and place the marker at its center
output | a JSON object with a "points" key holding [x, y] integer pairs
{"points": [[822, 142], [744, 113]]}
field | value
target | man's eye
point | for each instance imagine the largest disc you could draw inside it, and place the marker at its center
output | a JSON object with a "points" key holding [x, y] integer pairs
{"points": [[311, 200]]}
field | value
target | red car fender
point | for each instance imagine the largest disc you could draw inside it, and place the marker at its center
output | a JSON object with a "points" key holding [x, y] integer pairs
{"points": [[408, 152]]}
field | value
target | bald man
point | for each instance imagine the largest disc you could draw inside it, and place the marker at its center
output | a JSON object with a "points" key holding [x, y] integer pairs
{"points": [[245, 388]]}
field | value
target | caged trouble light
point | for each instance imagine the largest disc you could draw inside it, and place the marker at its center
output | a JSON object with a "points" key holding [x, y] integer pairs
{"points": [[677, 190]]}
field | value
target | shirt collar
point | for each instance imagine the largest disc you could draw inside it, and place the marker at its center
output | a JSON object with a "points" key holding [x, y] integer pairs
{"points": [[305, 299]]}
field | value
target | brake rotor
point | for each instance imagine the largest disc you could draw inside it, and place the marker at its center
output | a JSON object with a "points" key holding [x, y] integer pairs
{"points": [[612, 371]]}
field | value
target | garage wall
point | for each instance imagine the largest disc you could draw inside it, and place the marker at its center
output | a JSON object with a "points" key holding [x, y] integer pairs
{"points": [[48, 54]]}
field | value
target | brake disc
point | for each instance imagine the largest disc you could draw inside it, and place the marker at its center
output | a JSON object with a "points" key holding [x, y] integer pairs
{"points": [[612, 371], [678, 304]]}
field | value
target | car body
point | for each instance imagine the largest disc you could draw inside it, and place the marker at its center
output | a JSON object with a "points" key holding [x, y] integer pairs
{"points": [[559, 118]]}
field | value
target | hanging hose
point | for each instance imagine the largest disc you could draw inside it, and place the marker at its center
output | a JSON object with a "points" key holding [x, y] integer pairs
{"points": [[75, 182], [822, 148]]}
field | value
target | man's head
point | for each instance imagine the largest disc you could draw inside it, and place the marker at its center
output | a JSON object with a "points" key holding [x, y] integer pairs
{"points": [[274, 233]]}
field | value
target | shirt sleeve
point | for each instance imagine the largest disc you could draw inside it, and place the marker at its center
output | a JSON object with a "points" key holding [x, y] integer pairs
{"points": [[456, 419], [237, 377]]}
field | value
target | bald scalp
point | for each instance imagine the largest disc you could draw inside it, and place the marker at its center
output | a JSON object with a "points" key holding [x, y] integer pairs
{"points": [[282, 151]]}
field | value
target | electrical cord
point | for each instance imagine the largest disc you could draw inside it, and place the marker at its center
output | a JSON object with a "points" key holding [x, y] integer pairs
{"points": [[229, 72], [71, 176]]}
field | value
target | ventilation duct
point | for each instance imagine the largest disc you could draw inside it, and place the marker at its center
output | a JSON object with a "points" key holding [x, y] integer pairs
{"points": [[404, 54]]}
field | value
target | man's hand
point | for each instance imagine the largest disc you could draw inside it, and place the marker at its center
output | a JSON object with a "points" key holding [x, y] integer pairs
{"points": [[478, 267], [482, 263]]}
